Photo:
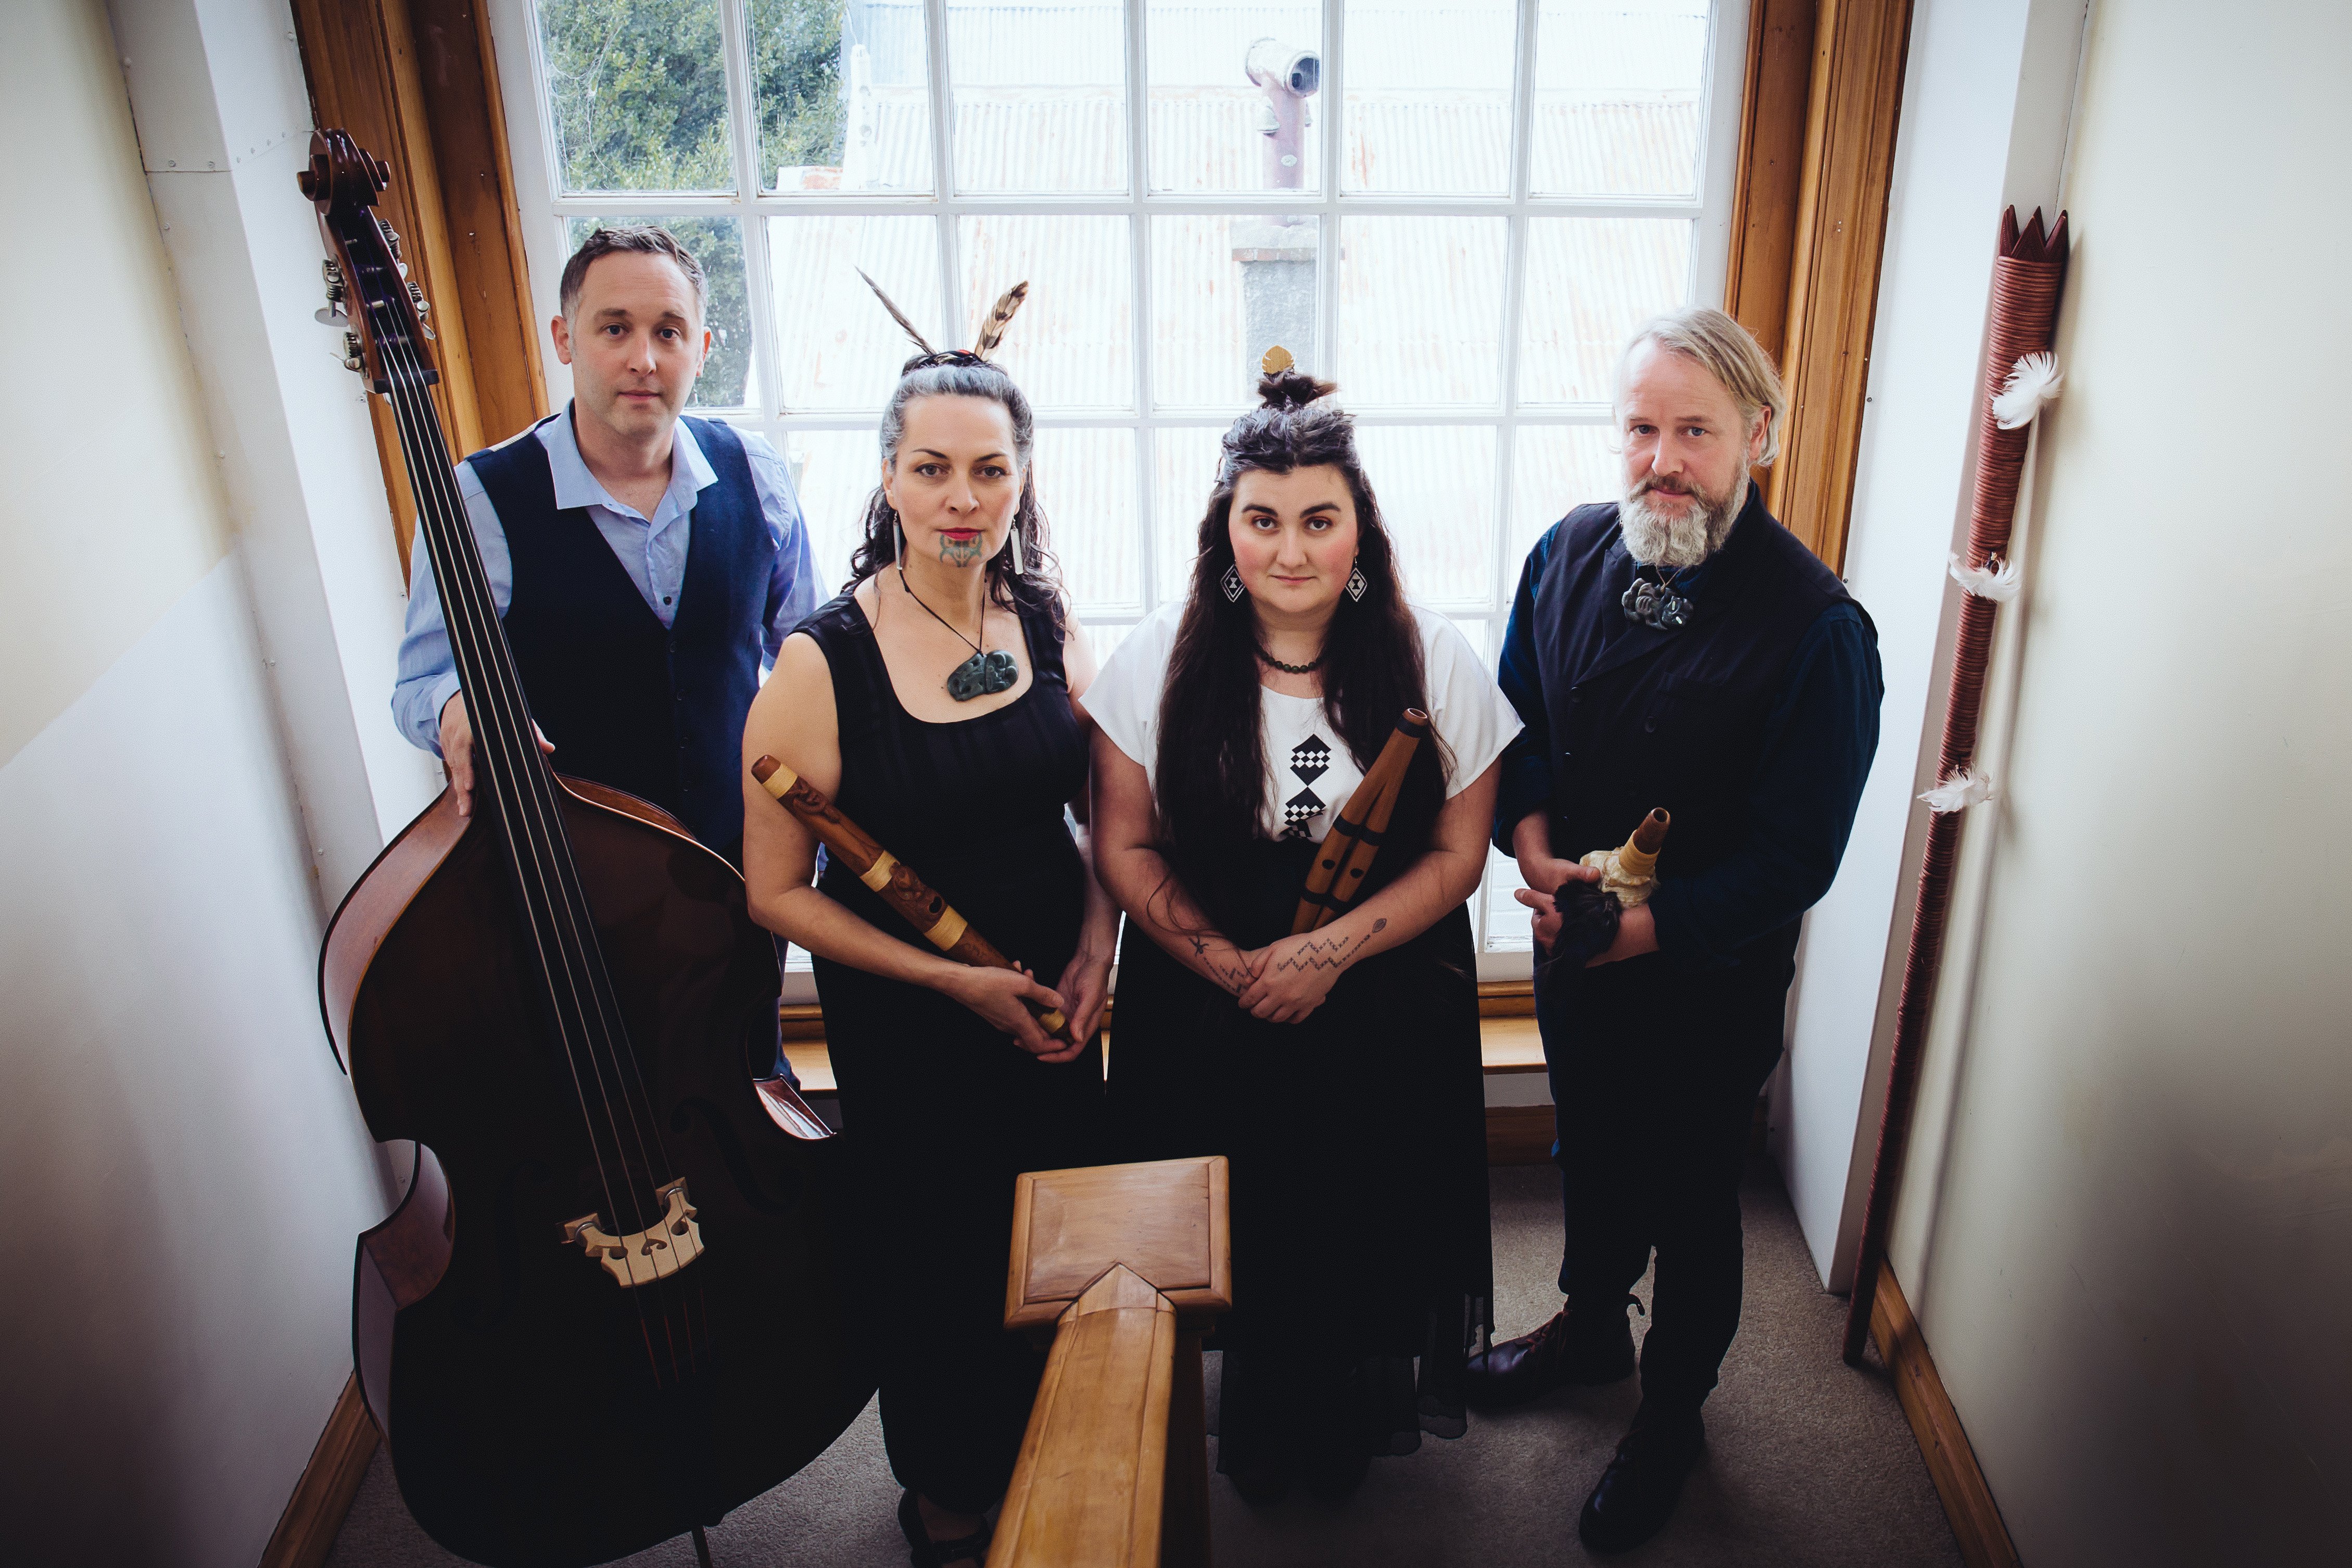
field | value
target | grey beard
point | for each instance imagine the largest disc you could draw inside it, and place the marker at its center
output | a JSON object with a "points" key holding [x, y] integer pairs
{"points": [[1685, 541]]}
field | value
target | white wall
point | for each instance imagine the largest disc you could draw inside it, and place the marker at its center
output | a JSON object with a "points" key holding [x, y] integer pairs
{"points": [[2131, 1245], [181, 1156], [1986, 94]]}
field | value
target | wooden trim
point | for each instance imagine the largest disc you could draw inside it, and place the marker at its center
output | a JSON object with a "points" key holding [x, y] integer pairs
{"points": [[1951, 1462], [306, 1530], [415, 82], [1857, 91], [1518, 1134], [1507, 998], [1764, 200]]}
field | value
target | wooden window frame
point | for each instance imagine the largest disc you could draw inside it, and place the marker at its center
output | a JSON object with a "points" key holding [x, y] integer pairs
{"points": [[1808, 233], [416, 82]]}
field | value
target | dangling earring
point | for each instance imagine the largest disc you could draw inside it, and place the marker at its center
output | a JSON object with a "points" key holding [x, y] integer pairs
{"points": [[902, 540], [1012, 537], [1358, 583], [1231, 581]]}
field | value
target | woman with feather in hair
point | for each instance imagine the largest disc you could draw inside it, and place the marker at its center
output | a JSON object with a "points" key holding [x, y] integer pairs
{"points": [[1337, 1070], [934, 702]]}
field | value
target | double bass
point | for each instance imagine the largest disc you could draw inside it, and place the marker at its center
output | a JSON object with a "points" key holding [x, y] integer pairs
{"points": [[609, 1308]]}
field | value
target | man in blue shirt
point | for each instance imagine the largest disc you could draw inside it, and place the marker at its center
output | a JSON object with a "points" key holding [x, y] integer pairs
{"points": [[1677, 649], [647, 565]]}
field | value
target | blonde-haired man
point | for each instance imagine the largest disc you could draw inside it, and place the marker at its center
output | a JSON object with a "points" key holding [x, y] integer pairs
{"points": [[1675, 648]]}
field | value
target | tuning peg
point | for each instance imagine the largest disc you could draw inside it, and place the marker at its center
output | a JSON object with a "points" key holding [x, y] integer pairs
{"points": [[332, 271], [351, 359], [416, 297], [328, 316]]}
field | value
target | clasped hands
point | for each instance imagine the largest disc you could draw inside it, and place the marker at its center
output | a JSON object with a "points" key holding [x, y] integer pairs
{"points": [[1002, 998], [1637, 931], [1287, 979]]}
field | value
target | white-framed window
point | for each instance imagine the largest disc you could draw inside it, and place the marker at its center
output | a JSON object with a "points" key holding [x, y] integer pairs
{"points": [[1456, 210]]}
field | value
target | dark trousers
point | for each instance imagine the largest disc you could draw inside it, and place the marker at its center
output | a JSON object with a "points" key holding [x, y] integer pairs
{"points": [[1654, 1089]]}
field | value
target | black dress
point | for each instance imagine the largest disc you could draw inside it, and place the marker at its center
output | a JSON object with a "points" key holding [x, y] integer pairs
{"points": [[940, 1111], [1358, 1151]]}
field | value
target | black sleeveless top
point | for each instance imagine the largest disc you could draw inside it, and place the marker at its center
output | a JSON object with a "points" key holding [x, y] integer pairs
{"points": [[975, 806]]}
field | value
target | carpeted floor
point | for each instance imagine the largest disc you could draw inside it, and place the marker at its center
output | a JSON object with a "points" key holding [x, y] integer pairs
{"points": [[1808, 1462]]}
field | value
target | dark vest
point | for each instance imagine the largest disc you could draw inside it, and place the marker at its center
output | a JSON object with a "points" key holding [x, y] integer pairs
{"points": [[1644, 717], [657, 712]]}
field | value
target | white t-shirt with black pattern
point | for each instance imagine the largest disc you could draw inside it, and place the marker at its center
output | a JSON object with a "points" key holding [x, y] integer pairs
{"points": [[1309, 773]]}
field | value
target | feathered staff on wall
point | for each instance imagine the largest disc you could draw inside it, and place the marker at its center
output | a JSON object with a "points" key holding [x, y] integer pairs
{"points": [[2021, 377]]}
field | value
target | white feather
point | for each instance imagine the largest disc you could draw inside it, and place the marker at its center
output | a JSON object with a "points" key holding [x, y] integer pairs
{"points": [[1962, 790], [2032, 382], [1997, 580]]}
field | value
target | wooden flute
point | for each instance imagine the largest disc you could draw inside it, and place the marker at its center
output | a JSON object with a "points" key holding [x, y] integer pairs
{"points": [[893, 881], [1346, 851]]}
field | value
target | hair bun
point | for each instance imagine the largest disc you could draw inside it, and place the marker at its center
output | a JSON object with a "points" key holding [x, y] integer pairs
{"points": [[1292, 388]]}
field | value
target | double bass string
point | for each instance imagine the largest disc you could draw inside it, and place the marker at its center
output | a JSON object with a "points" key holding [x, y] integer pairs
{"points": [[437, 504], [530, 790]]}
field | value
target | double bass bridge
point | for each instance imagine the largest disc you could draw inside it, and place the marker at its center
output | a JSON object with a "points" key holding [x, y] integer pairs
{"points": [[642, 1257]]}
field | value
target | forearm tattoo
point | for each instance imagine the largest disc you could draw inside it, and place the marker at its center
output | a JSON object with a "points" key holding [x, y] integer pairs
{"points": [[1227, 972], [1334, 952], [959, 552]]}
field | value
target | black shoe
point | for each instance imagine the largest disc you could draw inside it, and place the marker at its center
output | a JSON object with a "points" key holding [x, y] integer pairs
{"points": [[925, 1553], [1572, 1349], [1637, 1492]]}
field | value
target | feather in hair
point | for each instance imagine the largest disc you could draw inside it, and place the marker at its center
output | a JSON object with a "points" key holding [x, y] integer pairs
{"points": [[896, 314], [992, 331], [2032, 382], [1962, 790], [1997, 580]]}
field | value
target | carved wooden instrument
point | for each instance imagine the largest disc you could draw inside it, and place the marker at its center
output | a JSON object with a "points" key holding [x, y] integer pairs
{"points": [[1345, 853], [607, 1311], [893, 882]]}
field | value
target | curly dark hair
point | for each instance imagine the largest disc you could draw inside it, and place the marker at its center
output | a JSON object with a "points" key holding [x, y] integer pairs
{"points": [[1209, 778], [958, 373]]}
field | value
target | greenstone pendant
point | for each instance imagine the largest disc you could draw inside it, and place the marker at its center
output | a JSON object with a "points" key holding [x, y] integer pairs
{"points": [[983, 675]]}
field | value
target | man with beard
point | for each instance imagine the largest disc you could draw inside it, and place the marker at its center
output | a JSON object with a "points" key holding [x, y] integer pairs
{"points": [[1679, 649]]}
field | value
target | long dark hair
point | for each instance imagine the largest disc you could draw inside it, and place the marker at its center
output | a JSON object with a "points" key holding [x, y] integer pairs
{"points": [[956, 373], [1210, 781]]}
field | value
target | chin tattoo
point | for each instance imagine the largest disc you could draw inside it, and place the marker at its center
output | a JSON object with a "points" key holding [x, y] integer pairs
{"points": [[953, 553]]}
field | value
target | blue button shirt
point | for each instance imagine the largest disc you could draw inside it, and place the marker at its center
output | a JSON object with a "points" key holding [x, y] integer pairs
{"points": [[651, 549]]}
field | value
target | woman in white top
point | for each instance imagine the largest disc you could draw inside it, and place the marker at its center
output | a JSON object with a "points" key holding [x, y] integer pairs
{"points": [[1338, 1071]]}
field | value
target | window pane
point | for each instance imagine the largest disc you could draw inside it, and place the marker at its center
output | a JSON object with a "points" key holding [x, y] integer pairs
{"points": [[637, 91], [1086, 485], [1420, 308], [1555, 469], [1224, 291], [839, 347], [833, 472], [1437, 490], [718, 243], [1429, 96], [1590, 281], [1184, 470], [1216, 125], [1070, 346], [1040, 95], [1508, 922], [845, 95], [1619, 107], [1105, 637]]}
